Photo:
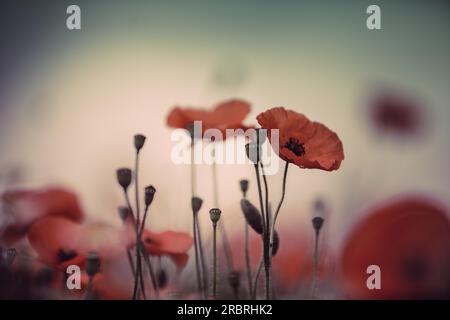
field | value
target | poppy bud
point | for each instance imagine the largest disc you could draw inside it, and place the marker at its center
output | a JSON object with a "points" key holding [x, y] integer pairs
{"points": [[11, 255], [275, 243], [124, 177], [317, 223], [162, 278], [252, 216], [139, 141], [149, 194], [92, 264], [244, 186], [196, 203], [124, 213], [234, 279], [253, 152], [214, 214]]}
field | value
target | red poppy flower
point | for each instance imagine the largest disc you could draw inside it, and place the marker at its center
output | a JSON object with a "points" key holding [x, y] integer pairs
{"points": [[22, 208], [226, 115], [303, 142], [170, 243], [60, 242], [392, 112], [409, 240]]}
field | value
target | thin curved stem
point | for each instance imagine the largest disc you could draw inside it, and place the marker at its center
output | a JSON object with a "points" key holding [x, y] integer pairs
{"points": [[151, 271], [283, 193], [258, 272]]}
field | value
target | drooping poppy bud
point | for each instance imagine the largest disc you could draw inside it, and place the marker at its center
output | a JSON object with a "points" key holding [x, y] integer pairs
{"points": [[252, 216], [162, 279], [149, 194], [275, 243]]}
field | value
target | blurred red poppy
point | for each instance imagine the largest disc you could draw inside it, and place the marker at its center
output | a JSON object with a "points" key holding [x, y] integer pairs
{"points": [[170, 243], [226, 115], [21, 208], [409, 240], [303, 142], [60, 242], [392, 112]]}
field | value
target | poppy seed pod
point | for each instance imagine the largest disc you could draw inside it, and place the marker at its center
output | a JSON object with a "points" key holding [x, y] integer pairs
{"points": [[244, 186], [139, 141], [149, 194], [124, 213], [92, 264], [124, 177], [196, 203], [214, 214], [253, 152], [317, 223]]}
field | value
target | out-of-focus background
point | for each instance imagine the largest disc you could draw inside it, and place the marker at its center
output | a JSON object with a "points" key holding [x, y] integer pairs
{"points": [[70, 101]]}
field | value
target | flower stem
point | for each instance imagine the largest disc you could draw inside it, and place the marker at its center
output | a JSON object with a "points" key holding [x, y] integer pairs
{"points": [[202, 259], [223, 232], [194, 222], [247, 261], [214, 261], [283, 193], [267, 236], [197, 262], [138, 234], [316, 263], [88, 295], [151, 271], [258, 272]]}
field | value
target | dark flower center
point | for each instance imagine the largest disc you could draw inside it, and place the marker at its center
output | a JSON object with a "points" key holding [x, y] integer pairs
{"points": [[66, 254], [415, 268], [295, 146]]}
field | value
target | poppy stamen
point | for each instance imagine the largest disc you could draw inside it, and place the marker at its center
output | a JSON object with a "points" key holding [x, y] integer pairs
{"points": [[295, 146]]}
